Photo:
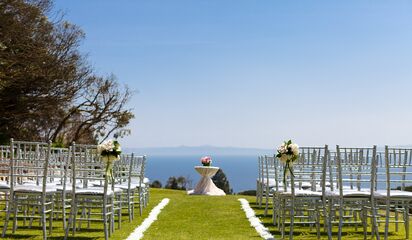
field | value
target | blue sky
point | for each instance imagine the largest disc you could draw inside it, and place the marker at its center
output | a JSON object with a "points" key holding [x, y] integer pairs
{"points": [[254, 73]]}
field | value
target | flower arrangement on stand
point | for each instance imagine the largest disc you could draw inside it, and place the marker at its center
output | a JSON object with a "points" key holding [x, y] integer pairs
{"points": [[287, 153], [110, 151], [206, 161]]}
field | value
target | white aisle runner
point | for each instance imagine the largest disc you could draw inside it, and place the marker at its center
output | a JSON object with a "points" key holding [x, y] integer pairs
{"points": [[138, 232], [254, 221]]}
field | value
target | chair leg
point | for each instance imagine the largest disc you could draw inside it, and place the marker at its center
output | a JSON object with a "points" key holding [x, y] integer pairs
{"points": [[406, 220], [16, 206], [74, 216], [257, 190], [112, 214], [283, 207], [129, 210], [292, 218], [63, 209], [387, 215], [106, 230], [43, 221], [120, 211], [328, 218], [317, 220], [274, 213], [140, 202], [69, 224], [340, 219], [267, 200], [365, 223], [375, 227], [51, 215], [396, 217], [10, 205]]}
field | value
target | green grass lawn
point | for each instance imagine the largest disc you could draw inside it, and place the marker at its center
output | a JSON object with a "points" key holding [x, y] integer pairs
{"points": [[304, 232], [192, 217]]}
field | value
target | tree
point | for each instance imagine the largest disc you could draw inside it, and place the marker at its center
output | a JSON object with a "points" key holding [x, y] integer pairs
{"points": [[156, 184], [181, 183], [172, 183], [47, 89], [220, 180]]}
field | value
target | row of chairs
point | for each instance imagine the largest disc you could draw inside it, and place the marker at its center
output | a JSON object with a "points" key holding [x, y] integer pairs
{"points": [[360, 187], [71, 185]]}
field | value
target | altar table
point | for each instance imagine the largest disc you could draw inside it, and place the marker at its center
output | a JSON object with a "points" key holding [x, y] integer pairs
{"points": [[206, 186]]}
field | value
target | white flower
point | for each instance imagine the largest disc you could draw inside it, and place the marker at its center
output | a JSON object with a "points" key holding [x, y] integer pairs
{"points": [[106, 146], [295, 149], [283, 149], [284, 158]]}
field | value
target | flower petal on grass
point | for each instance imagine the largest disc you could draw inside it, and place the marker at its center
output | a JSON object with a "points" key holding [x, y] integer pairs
{"points": [[254, 221]]}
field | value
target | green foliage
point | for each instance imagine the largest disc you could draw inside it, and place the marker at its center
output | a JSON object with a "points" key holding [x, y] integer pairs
{"points": [[48, 91], [248, 193], [156, 184], [221, 181], [178, 183]]}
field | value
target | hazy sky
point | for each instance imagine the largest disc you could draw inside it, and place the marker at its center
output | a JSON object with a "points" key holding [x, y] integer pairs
{"points": [[254, 73]]}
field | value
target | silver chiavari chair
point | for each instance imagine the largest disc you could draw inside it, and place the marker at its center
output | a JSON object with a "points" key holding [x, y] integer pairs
{"points": [[90, 202], [4, 176], [276, 190], [145, 183], [59, 166], [122, 177], [302, 198], [351, 199], [259, 182], [31, 188], [392, 197], [265, 181], [269, 180], [140, 198]]}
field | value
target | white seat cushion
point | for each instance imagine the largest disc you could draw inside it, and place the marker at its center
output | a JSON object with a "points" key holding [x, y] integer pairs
{"points": [[272, 182], [349, 193], [4, 185], [34, 188], [125, 186], [393, 193], [303, 185], [301, 192], [97, 191]]}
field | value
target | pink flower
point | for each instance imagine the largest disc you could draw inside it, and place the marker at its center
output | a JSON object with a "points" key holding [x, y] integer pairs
{"points": [[206, 160]]}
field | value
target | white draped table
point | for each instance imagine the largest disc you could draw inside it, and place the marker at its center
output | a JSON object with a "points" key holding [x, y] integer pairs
{"points": [[206, 186]]}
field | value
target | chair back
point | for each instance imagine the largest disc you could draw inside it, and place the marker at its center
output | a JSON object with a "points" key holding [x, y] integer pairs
{"points": [[398, 163], [29, 164], [137, 166], [309, 170], [87, 167], [355, 169], [5, 163]]}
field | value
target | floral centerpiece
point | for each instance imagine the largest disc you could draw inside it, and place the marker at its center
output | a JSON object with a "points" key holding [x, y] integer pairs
{"points": [[110, 151], [206, 161], [287, 153]]}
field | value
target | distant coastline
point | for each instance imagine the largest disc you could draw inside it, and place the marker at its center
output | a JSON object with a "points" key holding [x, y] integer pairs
{"points": [[200, 150]]}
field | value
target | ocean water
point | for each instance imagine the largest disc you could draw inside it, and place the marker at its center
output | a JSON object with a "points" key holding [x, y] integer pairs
{"points": [[241, 171]]}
